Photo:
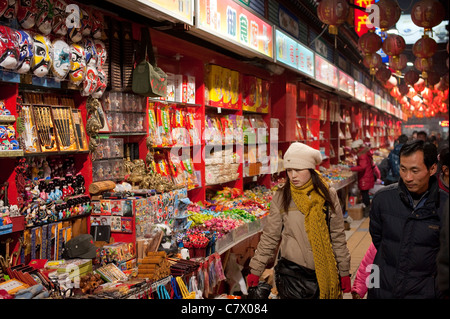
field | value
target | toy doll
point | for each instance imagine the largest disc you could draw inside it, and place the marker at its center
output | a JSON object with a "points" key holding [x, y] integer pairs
{"points": [[9, 49], [61, 60], [25, 42], [42, 61]]}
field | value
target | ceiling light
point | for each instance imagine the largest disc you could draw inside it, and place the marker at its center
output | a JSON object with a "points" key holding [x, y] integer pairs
{"points": [[409, 63]]}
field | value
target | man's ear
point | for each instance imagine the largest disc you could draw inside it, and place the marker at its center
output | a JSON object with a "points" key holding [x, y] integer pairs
{"points": [[433, 169]]}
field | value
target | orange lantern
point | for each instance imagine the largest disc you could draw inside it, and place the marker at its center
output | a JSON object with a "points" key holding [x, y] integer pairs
{"points": [[423, 65], [411, 77], [369, 42], [372, 61], [419, 86], [427, 94], [427, 14], [411, 93], [383, 74], [395, 93], [391, 83], [333, 13], [425, 47]]}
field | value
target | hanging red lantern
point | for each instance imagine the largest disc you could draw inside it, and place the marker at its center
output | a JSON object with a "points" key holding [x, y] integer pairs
{"points": [[411, 77], [427, 14], [443, 108], [411, 93], [389, 13], [419, 86], [372, 62], [427, 94], [425, 47], [333, 13], [398, 63], [423, 65], [383, 74], [393, 45], [394, 92], [403, 89], [369, 42], [391, 83], [433, 78]]}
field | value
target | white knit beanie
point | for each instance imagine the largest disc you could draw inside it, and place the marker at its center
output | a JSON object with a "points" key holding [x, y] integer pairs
{"points": [[301, 156]]}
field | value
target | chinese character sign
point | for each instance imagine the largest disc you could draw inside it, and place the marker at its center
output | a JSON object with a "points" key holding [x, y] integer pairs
{"points": [[362, 17]]}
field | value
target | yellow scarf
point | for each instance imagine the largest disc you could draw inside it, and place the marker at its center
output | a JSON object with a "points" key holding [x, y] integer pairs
{"points": [[317, 230]]}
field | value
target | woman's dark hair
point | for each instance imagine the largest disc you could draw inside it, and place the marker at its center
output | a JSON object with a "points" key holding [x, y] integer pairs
{"points": [[429, 151], [319, 188]]}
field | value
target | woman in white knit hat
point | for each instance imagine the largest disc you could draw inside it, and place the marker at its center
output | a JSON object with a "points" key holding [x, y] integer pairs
{"points": [[306, 222]]}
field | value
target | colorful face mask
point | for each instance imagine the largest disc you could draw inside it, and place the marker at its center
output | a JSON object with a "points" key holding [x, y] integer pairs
{"points": [[97, 23], [25, 42], [61, 59], [90, 52], [42, 56], [86, 24], [101, 84], [44, 17], [26, 13], [9, 49], [100, 48], [90, 81], [59, 17], [8, 9], [77, 64]]}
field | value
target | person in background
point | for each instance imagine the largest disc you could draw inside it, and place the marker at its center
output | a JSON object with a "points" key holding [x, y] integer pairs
{"points": [[443, 257], [405, 221], [366, 172], [414, 135], [306, 222], [359, 287], [444, 169], [394, 160], [422, 135]]}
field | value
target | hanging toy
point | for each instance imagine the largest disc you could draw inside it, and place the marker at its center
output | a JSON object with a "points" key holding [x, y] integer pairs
{"points": [[77, 64], [42, 61], [25, 43], [9, 50], [61, 59]]}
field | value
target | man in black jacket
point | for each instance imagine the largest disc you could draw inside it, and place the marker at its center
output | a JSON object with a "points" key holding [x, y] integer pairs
{"points": [[405, 221]]}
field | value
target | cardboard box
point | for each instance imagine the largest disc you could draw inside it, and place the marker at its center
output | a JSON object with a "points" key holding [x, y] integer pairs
{"points": [[356, 212]]}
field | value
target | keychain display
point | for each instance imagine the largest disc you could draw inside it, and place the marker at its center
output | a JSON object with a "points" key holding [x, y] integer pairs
{"points": [[42, 54]]}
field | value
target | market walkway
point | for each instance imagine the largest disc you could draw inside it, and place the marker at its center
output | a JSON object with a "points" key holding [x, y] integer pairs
{"points": [[358, 241]]}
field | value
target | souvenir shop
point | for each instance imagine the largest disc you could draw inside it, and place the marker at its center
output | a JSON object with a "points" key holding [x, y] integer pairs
{"points": [[140, 147]]}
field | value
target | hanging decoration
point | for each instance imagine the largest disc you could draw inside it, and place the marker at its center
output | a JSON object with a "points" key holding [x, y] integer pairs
{"points": [[427, 14], [334, 13], [372, 62], [423, 65], [389, 13], [383, 74], [398, 63], [411, 77], [425, 47], [369, 42], [433, 78]]}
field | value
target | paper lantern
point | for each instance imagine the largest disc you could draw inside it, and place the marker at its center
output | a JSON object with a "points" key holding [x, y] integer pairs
{"points": [[393, 45], [427, 95], [411, 93], [389, 13], [419, 86], [369, 42], [394, 92], [433, 78], [403, 89], [383, 74], [391, 83], [425, 47], [427, 14], [411, 77], [398, 63], [423, 65], [333, 13], [372, 62]]}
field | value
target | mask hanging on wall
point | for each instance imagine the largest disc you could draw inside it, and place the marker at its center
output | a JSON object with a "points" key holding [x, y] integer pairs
{"points": [[42, 53], [44, 16], [102, 82], [25, 42], [26, 13], [77, 64], [61, 60], [8, 9], [59, 18], [9, 48], [90, 80]]}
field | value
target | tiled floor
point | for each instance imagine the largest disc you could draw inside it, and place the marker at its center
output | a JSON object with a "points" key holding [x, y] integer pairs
{"points": [[358, 241]]}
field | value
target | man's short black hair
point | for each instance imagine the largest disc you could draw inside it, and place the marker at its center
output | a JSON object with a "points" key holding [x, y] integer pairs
{"points": [[423, 133], [444, 158], [429, 151], [402, 139]]}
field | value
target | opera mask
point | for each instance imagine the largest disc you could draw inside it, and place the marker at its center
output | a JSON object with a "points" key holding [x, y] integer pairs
{"points": [[9, 48], [100, 48], [26, 13], [90, 81], [42, 61], [25, 42], [61, 59], [77, 64]]}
